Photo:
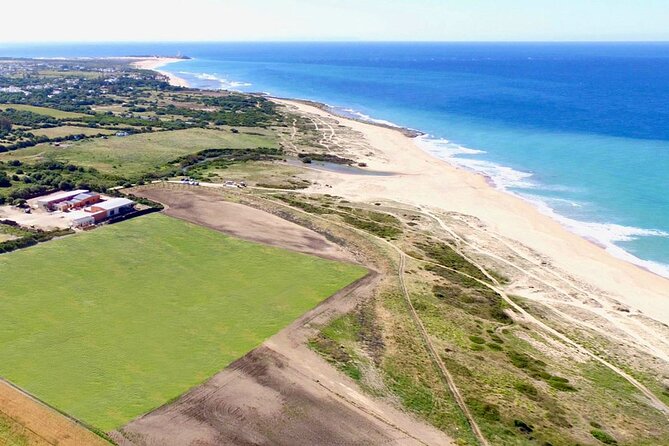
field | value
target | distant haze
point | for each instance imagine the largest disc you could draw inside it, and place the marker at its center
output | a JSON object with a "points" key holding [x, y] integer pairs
{"points": [[369, 20]]}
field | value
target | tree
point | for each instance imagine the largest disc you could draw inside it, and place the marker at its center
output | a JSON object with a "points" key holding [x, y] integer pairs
{"points": [[5, 125], [65, 185]]}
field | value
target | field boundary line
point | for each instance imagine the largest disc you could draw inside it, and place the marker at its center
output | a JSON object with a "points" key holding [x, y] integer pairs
{"points": [[68, 417]]}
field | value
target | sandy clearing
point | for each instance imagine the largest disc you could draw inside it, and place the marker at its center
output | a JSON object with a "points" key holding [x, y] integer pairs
{"points": [[37, 218], [45, 425], [207, 207]]}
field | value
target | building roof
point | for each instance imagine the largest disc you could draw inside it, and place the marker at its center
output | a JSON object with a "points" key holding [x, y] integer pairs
{"points": [[114, 203], [79, 215], [84, 196], [61, 196]]}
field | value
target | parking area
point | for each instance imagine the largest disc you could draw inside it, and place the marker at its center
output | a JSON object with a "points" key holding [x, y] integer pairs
{"points": [[37, 218]]}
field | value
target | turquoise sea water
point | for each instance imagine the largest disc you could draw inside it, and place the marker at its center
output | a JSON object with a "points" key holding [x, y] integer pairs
{"points": [[581, 130]]}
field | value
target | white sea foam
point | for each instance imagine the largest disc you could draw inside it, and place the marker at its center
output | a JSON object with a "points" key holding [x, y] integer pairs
{"points": [[361, 116], [502, 177], [506, 178], [223, 84], [606, 235]]}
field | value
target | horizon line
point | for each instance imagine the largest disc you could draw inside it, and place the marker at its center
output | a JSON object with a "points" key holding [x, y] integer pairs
{"points": [[70, 42]]}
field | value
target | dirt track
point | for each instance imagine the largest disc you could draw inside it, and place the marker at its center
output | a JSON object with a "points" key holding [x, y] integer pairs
{"points": [[281, 393]]}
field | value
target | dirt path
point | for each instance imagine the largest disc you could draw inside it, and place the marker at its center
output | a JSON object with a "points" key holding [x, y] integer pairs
{"points": [[446, 375]]}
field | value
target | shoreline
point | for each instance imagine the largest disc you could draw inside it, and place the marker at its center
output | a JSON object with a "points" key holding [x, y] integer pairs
{"points": [[424, 180], [155, 63], [421, 139]]}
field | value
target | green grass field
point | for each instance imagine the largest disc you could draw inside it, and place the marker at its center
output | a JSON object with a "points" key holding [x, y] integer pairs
{"points": [[109, 324], [66, 130], [54, 113], [141, 153]]}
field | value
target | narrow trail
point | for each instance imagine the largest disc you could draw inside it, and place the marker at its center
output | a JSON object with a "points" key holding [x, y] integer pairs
{"points": [[446, 375], [497, 287]]}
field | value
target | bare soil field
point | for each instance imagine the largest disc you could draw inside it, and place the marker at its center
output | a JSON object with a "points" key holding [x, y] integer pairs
{"points": [[207, 207], [40, 425]]}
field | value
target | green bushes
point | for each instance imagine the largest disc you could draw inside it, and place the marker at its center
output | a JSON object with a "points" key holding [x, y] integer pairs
{"points": [[537, 370], [526, 389], [603, 437], [471, 296], [380, 230], [34, 237], [445, 255]]}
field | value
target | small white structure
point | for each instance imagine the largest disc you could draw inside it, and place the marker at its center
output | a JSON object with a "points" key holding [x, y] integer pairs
{"points": [[81, 219]]}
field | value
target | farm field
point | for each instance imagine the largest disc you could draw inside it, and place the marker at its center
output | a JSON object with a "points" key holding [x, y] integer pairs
{"points": [[123, 156], [54, 113], [127, 317], [66, 130]]}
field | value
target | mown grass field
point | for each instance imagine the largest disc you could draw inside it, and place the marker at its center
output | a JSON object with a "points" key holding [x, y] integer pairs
{"points": [[66, 130], [109, 324], [141, 153], [54, 113]]}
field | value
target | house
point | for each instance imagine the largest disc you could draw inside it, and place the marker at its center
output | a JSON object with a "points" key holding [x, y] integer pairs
{"points": [[49, 202]]}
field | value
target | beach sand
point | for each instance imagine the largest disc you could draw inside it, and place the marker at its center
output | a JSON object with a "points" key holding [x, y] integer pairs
{"points": [[155, 63], [422, 180]]}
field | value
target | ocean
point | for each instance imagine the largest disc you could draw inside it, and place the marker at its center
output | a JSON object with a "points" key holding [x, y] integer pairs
{"points": [[579, 129]]}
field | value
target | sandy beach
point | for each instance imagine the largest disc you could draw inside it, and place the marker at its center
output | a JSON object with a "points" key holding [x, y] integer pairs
{"points": [[155, 63], [424, 181]]}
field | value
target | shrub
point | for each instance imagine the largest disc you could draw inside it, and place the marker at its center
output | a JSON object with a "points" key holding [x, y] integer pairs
{"points": [[523, 427], [603, 437], [526, 389], [484, 410]]}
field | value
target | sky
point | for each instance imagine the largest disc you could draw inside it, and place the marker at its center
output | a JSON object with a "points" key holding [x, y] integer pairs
{"points": [[321, 20]]}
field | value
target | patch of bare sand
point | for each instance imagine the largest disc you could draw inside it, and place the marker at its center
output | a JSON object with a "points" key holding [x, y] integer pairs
{"points": [[207, 207]]}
